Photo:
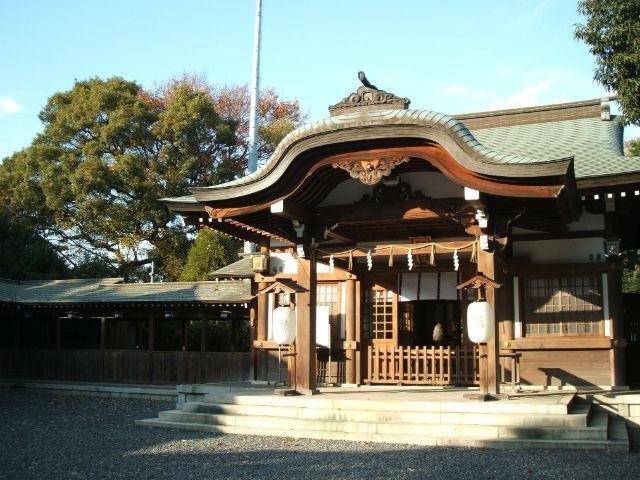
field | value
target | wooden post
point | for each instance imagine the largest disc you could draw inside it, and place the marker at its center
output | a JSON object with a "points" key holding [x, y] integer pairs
{"points": [[152, 347], [486, 266], [252, 337], [358, 352], [262, 358], [103, 342], [306, 327], [617, 355], [58, 334], [350, 330], [18, 319], [203, 348]]}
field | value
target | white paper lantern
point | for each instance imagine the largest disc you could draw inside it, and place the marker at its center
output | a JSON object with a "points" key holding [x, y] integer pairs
{"points": [[284, 326], [480, 321]]}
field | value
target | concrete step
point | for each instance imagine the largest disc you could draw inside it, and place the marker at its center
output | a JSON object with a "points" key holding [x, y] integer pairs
{"points": [[500, 443], [577, 418], [596, 431], [557, 405]]}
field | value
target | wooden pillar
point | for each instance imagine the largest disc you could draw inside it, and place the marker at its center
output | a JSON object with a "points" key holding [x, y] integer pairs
{"points": [[18, 319], [103, 333], [490, 379], [152, 347], [262, 357], [350, 330], [359, 342], [203, 348], [103, 343], [617, 355], [252, 336], [306, 326]]}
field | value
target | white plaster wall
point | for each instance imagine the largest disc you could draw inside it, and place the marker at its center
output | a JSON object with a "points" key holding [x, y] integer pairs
{"points": [[285, 263], [587, 221], [431, 184], [574, 250]]}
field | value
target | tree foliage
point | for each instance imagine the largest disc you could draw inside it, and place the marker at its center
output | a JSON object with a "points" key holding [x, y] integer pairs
{"points": [[612, 31], [25, 254], [632, 147], [91, 182], [210, 251]]}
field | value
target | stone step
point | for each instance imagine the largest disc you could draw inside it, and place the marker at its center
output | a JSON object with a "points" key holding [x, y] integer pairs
{"points": [[577, 418], [500, 443], [556, 405], [597, 430]]}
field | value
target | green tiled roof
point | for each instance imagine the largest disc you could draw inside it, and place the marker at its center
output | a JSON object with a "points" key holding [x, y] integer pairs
{"points": [[111, 290], [239, 269], [596, 145], [8, 290]]}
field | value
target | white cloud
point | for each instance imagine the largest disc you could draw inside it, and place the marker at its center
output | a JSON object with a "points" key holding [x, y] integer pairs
{"points": [[9, 106], [525, 97]]}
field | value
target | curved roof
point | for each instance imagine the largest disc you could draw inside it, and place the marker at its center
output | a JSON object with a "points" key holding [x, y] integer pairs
{"points": [[445, 130], [597, 145]]}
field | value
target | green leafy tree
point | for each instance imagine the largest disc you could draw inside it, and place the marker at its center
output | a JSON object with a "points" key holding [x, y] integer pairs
{"points": [[91, 182], [26, 255], [632, 147], [210, 251], [612, 31]]}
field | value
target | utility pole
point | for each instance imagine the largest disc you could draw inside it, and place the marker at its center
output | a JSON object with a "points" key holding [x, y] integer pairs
{"points": [[255, 93], [252, 165]]}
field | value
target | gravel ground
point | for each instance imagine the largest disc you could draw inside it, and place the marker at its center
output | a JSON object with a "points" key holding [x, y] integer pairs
{"points": [[46, 435]]}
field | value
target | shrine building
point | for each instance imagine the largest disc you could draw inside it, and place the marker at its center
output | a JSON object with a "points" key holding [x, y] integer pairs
{"points": [[378, 225]]}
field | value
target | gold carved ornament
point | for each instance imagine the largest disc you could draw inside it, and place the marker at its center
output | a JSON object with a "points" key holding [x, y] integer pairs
{"points": [[372, 171]]}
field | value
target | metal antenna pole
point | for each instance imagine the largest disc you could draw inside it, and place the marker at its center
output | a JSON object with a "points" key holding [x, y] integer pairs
{"points": [[252, 164], [255, 93]]}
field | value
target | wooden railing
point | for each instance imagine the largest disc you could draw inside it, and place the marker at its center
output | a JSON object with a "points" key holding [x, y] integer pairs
{"points": [[133, 366], [423, 365]]}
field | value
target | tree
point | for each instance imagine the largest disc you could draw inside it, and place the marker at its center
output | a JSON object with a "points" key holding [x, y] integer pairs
{"points": [[91, 182], [632, 147], [276, 117], [26, 255], [210, 251], [612, 30]]}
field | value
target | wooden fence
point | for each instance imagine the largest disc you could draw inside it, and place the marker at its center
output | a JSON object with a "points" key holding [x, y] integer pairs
{"points": [[127, 366], [423, 365]]}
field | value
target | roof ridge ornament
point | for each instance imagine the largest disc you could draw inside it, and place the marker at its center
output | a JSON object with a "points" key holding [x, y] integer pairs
{"points": [[369, 97]]}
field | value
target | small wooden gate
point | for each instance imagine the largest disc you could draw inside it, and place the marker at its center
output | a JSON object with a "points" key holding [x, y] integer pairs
{"points": [[423, 365]]}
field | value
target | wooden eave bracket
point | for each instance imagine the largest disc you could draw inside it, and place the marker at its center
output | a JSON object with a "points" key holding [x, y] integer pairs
{"points": [[478, 282], [284, 286]]}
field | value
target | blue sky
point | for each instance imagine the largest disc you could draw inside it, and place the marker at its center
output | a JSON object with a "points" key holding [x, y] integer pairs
{"points": [[453, 57]]}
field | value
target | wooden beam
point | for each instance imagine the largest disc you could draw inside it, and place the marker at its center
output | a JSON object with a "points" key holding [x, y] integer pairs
{"points": [[259, 231], [289, 209]]}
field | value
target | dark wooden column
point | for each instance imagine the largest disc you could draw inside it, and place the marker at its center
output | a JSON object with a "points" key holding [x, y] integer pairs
{"points": [[203, 348], [359, 363], [350, 330], [18, 319], [306, 327], [490, 378], [152, 347], [252, 336], [617, 355], [262, 358], [103, 342]]}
